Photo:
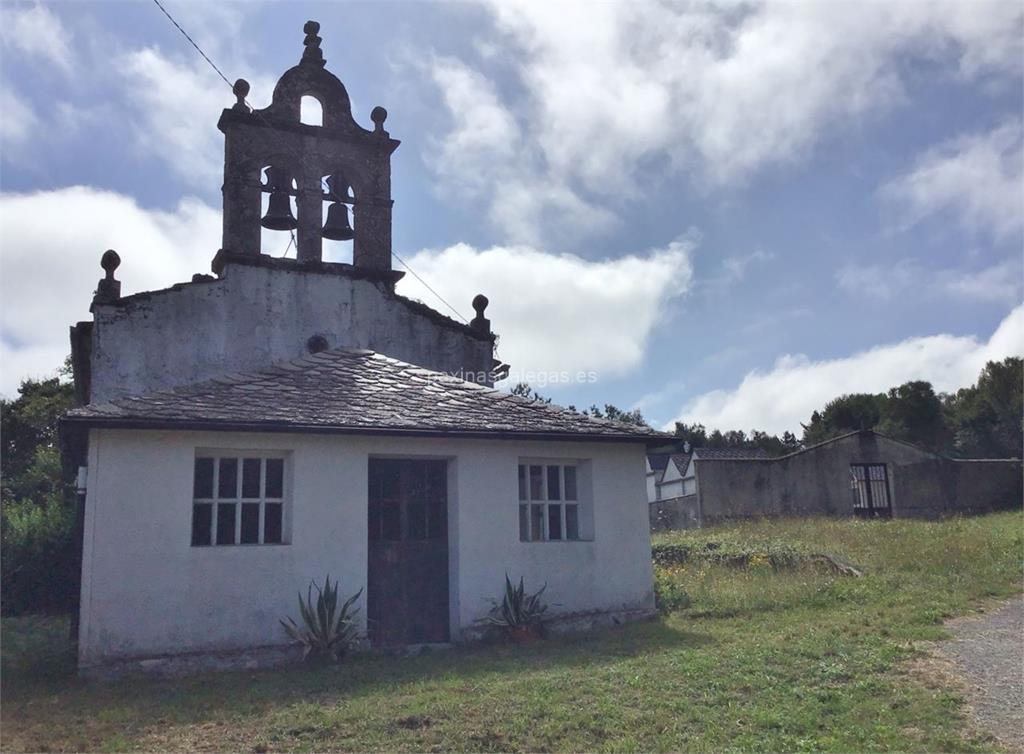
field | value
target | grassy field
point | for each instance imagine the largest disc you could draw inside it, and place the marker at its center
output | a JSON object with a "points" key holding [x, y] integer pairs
{"points": [[764, 650]]}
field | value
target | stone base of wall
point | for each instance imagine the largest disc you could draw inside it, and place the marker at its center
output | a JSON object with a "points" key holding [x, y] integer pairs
{"points": [[192, 663], [675, 513]]}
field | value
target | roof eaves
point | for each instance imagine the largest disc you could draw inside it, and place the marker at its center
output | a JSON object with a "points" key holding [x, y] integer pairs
{"points": [[121, 422]]}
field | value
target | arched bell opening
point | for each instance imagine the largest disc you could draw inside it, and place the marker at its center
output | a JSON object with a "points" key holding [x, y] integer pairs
{"points": [[338, 220], [311, 111], [278, 211]]}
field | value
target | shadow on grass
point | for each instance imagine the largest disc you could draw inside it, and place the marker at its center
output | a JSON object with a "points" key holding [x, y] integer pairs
{"points": [[202, 697]]}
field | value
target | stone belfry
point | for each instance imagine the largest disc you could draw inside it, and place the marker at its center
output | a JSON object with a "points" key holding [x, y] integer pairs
{"points": [[258, 309], [339, 162]]}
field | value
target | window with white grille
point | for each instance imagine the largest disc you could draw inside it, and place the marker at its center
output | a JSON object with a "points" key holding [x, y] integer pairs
{"points": [[550, 505], [238, 499]]}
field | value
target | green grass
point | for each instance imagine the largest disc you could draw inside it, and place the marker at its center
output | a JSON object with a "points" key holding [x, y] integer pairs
{"points": [[770, 655]]}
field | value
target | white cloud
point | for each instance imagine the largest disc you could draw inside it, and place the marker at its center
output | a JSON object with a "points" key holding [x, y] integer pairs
{"points": [[49, 269], [558, 312], [999, 283], [735, 267], [17, 122], [781, 398], [554, 312], [178, 105], [485, 152], [603, 96], [979, 179], [38, 32]]}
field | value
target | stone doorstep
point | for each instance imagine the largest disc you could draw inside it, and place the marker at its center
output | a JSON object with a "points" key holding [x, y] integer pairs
{"points": [[258, 658]]}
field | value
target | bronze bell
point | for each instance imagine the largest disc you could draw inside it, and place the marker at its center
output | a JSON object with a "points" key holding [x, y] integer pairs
{"points": [[337, 228], [279, 212], [279, 209]]}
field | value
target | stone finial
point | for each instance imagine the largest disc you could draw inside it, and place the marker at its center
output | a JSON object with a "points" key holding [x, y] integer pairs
{"points": [[378, 115], [108, 290], [241, 91], [480, 323], [312, 55]]}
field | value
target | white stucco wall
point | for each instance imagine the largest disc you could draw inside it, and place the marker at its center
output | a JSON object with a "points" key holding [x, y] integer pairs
{"points": [[147, 591], [671, 489]]}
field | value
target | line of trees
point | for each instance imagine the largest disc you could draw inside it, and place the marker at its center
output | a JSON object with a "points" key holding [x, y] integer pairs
{"points": [[980, 421]]}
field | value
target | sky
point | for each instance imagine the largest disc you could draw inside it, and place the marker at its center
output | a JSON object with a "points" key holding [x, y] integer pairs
{"points": [[719, 213]]}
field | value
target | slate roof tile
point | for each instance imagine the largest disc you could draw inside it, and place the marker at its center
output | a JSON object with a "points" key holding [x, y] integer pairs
{"points": [[731, 454], [350, 389]]}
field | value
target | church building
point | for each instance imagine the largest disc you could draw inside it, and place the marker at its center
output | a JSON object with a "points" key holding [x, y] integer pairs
{"points": [[246, 432]]}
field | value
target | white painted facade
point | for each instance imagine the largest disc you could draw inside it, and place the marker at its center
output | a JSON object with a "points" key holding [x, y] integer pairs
{"points": [[146, 591], [652, 481]]}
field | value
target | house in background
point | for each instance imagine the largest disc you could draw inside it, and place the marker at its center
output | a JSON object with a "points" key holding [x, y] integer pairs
{"points": [[861, 473], [680, 476], [247, 432], [657, 461]]}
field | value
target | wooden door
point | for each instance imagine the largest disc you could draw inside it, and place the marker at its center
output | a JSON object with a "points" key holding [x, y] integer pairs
{"points": [[407, 583]]}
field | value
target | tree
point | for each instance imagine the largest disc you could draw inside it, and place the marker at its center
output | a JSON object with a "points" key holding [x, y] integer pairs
{"points": [[985, 420], [847, 413], [913, 412], [38, 564], [695, 434], [617, 414], [29, 438], [523, 390]]}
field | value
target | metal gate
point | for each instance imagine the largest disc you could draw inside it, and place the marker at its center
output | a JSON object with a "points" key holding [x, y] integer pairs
{"points": [[870, 485]]}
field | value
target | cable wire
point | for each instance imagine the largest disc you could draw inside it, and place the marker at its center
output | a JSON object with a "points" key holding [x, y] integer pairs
{"points": [[427, 286], [198, 48]]}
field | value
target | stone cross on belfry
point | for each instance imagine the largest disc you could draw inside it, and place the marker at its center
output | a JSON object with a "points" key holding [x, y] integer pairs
{"points": [[340, 162]]}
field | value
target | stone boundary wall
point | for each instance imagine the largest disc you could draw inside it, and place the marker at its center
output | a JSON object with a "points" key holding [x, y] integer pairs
{"points": [[816, 481], [675, 513]]}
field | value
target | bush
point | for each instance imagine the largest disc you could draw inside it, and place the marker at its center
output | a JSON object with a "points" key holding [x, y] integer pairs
{"points": [[519, 615], [327, 632], [38, 560]]}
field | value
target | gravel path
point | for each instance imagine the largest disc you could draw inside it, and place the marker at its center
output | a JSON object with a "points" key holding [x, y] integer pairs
{"points": [[989, 651]]}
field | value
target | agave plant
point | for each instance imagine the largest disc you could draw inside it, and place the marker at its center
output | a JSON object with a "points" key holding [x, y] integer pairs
{"points": [[518, 614], [327, 632]]}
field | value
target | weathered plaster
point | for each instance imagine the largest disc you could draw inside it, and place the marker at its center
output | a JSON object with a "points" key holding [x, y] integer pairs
{"points": [[817, 482], [254, 315]]}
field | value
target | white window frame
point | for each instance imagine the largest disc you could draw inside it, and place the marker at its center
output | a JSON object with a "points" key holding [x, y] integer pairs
{"points": [[240, 456], [528, 500]]}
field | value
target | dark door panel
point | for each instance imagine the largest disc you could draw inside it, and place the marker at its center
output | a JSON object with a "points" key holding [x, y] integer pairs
{"points": [[407, 589]]}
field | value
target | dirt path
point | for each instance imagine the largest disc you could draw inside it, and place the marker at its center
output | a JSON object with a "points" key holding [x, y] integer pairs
{"points": [[988, 651]]}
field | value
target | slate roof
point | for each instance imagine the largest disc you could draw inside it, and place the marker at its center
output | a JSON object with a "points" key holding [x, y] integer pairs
{"points": [[730, 454], [348, 390], [681, 460], [658, 461]]}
